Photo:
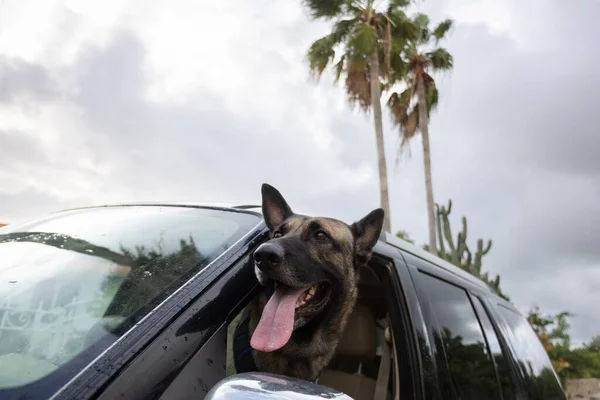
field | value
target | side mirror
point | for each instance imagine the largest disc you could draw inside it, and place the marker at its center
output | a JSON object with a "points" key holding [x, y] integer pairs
{"points": [[264, 386]]}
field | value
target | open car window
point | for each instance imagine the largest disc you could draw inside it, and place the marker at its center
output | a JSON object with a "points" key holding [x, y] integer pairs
{"points": [[85, 277]]}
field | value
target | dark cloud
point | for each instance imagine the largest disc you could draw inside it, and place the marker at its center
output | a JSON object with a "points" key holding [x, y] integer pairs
{"points": [[20, 148], [20, 78], [514, 145]]}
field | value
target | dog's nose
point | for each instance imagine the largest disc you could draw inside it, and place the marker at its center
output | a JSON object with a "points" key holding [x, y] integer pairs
{"points": [[268, 255]]}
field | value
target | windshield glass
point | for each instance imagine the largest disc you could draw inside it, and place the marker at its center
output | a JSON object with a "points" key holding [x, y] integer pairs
{"points": [[70, 281]]}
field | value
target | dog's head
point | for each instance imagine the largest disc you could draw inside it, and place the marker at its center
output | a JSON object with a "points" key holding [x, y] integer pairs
{"points": [[306, 262]]}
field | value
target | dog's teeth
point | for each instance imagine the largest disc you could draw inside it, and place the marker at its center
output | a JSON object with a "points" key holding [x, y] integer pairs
{"points": [[308, 296], [312, 290]]}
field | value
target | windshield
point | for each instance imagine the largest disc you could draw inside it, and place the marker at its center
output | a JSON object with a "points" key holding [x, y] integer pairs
{"points": [[77, 278]]}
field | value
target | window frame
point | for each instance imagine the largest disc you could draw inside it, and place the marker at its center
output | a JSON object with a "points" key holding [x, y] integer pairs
{"points": [[519, 381], [417, 267], [172, 353], [513, 381], [391, 269], [122, 358], [524, 381], [386, 263]]}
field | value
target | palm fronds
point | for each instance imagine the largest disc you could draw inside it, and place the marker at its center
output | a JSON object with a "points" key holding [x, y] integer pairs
{"points": [[320, 53], [440, 59], [326, 9], [358, 84], [432, 97], [362, 40], [397, 4], [443, 27], [422, 21], [404, 115]]}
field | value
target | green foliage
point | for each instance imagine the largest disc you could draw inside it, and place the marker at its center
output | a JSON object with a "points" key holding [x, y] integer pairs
{"points": [[419, 65], [325, 8], [362, 41], [432, 97], [404, 29], [342, 28], [405, 236], [321, 52], [569, 363], [422, 21], [440, 59], [339, 68], [397, 4], [362, 29], [443, 27], [458, 252]]}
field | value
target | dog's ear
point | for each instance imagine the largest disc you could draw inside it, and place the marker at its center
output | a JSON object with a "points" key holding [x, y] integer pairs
{"points": [[366, 233], [274, 207]]}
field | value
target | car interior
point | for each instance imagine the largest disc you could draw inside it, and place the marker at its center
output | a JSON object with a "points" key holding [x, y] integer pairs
{"points": [[355, 369]]}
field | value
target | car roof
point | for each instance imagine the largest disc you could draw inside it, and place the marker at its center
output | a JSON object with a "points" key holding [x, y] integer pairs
{"points": [[437, 261], [385, 237], [172, 203]]}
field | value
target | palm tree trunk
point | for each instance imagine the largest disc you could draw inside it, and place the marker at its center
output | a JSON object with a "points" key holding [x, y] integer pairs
{"points": [[424, 128], [376, 103]]}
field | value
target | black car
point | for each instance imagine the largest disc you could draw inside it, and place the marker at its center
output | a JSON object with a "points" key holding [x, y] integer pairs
{"points": [[141, 302]]}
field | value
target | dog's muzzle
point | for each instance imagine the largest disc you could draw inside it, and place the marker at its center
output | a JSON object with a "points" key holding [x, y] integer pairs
{"points": [[267, 257]]}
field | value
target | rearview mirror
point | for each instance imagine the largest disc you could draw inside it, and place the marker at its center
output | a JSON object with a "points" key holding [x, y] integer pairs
{"points": [[263, 386]]}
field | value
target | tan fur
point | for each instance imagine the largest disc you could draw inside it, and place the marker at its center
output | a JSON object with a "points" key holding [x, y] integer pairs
{"points": [[308, 362], [333, 258]]}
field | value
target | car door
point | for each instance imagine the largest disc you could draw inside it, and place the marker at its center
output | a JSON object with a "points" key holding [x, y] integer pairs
{"points": [[188, 357], [410, 367], [456, 338]]}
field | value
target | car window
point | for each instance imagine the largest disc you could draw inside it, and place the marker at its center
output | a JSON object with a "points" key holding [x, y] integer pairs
{"points": [[500, 361], [460, 338], [69, 281], [535, 365]]}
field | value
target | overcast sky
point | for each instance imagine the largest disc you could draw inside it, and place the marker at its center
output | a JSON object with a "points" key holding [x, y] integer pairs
{"points": [[112, 101]]}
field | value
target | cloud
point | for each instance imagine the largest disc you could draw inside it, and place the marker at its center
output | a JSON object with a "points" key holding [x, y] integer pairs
{"points": [[19, 78], [142, 148], [514, 146]]}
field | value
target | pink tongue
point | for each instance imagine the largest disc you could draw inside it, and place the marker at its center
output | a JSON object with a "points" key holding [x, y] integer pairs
{"points": [[277, 320]]}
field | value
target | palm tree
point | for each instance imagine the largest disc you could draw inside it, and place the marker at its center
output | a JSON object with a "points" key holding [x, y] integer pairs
{"points": [[371, 40], [420, 87]]}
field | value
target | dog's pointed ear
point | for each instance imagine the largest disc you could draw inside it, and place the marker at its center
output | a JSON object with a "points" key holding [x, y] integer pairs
{"points": [[274, 207], [366, 233]]}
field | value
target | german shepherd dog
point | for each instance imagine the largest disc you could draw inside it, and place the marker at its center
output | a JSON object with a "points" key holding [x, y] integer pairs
{"points": [[309, 269]]}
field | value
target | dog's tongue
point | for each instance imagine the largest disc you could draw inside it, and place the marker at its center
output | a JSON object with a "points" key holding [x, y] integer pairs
{"points": [[277, 320]]}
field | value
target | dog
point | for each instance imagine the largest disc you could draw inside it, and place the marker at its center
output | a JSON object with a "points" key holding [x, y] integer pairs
{"points": [[309, 269]]}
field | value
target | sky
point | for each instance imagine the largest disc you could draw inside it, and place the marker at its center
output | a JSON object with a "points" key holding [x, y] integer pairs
{"points": [[185, 100]]}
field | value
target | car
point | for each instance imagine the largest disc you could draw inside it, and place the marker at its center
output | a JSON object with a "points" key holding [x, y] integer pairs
{"points": [[140, 301]]}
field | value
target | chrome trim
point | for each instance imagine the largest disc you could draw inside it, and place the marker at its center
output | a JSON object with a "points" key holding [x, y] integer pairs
{"points": [[264, 386]]}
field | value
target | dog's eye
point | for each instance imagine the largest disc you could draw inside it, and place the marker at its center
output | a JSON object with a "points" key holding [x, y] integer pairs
{"points": [[277, 234], [321, 236]]}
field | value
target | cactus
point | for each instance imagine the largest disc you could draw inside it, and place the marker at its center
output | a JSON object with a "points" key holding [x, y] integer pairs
{"points": [[457, 251]]}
